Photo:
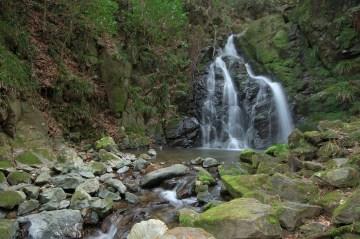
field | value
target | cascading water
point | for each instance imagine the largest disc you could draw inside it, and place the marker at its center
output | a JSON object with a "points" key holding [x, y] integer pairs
{"points": [[228, 123]]}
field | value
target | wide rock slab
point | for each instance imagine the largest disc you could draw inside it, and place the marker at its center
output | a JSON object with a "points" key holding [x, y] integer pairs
{"points": [[150, 229], [155, 177], [54, 224], [242, 218]]}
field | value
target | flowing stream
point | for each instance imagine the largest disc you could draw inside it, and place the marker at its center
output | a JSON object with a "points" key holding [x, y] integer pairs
{"points": [[232, 127]]}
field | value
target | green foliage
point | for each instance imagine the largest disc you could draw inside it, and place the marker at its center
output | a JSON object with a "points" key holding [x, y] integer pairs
{"points": [[160, 20], [344, 91], [99, 15], [14, 73]]}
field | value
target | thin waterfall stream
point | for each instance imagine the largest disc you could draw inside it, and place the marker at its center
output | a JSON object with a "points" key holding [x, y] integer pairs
{"points": [[226, 121]]}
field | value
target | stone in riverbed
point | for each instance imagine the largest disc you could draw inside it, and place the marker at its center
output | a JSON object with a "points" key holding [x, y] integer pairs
{"points": [[339, 177], [90, 186], [131, 198], [155, 177], [292, 214], [10, 199], [43, 178], [210, 162], [349, 211], [98, 168], [116, 184], [52, 195], [17, 177], [28, 206], [68, 181], [240, 218], [8, 229], [187, 217], [292, 189], [101, 206], [140, 164], [104, 193], [32, 191], [80, 199], [107, 143], [67, 223], [150, 229]]}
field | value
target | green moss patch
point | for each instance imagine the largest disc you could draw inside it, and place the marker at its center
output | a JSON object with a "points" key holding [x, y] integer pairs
{"points": [[5, 164], [205, 177], [28, 158], [245, 185], [10, 199], [15, 178]]}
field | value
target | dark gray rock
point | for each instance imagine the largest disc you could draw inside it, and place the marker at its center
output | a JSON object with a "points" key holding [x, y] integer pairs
{"points": [[65, 223], [182, 132], [155, 177]]}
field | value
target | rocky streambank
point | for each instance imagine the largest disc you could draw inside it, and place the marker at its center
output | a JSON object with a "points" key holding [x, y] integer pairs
{"points": [[307, 188]]}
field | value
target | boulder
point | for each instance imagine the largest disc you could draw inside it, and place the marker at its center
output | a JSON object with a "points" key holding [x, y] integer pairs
{"points": [[116, 184], [339, 177], [205, 177], [150, 229], [292, 189], [98, 168], [10, 199], [182, 132], [240, 218], [67, 181], [32, 191], [43, 178], [80, 199], [108, 156], [140, 164], [155, 177], [104, 193], [187, 217], [17, 177], [292, 214], [107, 143], [349, 211], [90, 186], [245, 185], [8, 229], [28, 206], [65, 223], [186, 232], [52, 195], [101, 206], [210, 162]]}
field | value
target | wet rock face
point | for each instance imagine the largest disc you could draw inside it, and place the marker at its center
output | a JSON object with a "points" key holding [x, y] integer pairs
{"points": [[182, 132], [257, 107]]}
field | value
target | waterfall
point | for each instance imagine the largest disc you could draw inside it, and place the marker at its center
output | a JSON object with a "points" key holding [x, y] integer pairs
{"points": [[225, 122]]}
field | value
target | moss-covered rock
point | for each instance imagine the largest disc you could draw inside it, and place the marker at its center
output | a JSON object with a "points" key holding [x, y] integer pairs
{"points": [[107, 143], [187, 217], [28, 158], [278, 150], [292, 189], [98, 168], [330, 150], [17, 177], [246, 155], [272, 166], [5, 164], [8, 229], [340, 177], [313, 137], [2, 178], [292, 214], [235, 169], [10, 199], [240, 218], [349, 211], [205, 177], [330, 200], [245, 185]]}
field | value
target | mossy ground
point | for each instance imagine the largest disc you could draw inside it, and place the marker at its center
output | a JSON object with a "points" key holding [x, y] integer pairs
{"points": [[9, 199], [28, 158]]}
